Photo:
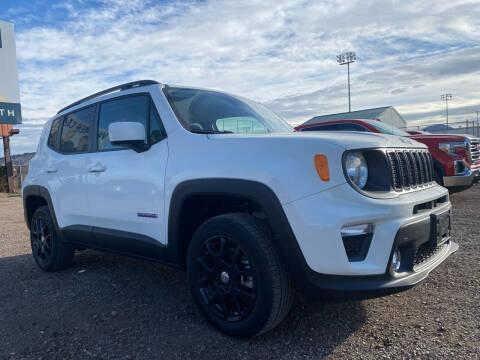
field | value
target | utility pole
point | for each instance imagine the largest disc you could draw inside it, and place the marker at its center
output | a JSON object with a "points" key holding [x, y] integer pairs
{"points": [[446, 97], [478, 125], [347, 58], [8, 164], [8, 159]]}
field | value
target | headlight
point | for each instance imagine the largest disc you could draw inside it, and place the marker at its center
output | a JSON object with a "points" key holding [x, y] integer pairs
{"points": [[356, 169], [451, 147]]}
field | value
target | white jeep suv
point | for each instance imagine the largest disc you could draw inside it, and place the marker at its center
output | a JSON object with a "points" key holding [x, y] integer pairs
{"points": [[223, 187]]}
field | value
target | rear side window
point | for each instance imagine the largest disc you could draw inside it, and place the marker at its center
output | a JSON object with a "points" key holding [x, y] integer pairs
{"points": [[52, 138], [75, 131], [350, 127], [132, 109], [332, 127], [241, 125]]}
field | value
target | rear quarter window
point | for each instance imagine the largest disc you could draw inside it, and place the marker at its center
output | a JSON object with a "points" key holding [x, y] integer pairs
{"points": [[52, 137], [76, 131]]}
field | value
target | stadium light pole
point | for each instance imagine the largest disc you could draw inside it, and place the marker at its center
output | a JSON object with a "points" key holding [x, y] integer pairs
{"points": [[445, 97], [347, 58]]}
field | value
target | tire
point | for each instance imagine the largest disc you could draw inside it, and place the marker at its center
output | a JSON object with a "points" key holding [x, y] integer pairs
{"points": [[48, 249], [236, 277]]}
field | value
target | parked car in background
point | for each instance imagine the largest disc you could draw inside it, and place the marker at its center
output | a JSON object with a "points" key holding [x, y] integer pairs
{"points": [[417, 132], [456, 158]]}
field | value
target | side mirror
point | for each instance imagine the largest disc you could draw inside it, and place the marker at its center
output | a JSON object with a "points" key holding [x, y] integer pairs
{"points": [[128, 134]]}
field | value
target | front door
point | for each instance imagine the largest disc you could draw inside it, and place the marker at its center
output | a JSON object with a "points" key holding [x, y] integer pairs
{"points": [[126, 188]]}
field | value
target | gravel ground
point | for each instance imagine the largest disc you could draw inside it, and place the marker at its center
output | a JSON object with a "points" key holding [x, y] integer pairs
{"points": [[112, 307]]}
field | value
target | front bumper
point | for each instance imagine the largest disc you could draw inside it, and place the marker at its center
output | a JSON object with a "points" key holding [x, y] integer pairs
{"points": [[459, 180], [403, 222], [476, 171], [414, 238]]}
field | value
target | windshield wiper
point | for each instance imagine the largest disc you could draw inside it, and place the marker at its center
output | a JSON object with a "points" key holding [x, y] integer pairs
{"points": [[198, 131]]}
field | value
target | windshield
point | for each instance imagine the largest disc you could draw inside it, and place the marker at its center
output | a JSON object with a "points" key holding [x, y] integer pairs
{"points": [[388, 129], [205, 111]]}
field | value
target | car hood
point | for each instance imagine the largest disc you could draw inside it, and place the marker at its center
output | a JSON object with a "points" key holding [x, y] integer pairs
{"points": [[439, 137], [346, 139]]}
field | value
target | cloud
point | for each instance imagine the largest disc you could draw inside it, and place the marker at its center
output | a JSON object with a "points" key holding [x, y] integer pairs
{"points": [[279, 52]]}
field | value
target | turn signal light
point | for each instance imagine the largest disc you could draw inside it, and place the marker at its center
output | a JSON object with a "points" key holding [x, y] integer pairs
{"points": [[321, 164]]}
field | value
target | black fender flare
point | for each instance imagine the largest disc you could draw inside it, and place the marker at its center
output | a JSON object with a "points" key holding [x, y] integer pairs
{"points": [[39, 191], [283, 236]]}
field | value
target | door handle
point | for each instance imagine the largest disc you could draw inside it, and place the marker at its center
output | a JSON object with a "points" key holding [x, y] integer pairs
{"points": [[51, 171], [97, 169]]}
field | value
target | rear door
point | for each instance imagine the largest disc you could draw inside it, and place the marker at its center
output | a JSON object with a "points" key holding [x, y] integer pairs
{"points": [[126, 188], [70, 165]]}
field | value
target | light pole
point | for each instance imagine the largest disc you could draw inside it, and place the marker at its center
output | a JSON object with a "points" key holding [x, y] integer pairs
{"points": [[347, 58], [478, 126], [446, 97]]}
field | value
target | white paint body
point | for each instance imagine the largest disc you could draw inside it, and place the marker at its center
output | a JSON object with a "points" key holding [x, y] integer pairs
{"points": [[107, 189]]}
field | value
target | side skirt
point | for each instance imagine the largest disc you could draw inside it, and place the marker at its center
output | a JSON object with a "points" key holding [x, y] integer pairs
{"points": [[118, 242]]}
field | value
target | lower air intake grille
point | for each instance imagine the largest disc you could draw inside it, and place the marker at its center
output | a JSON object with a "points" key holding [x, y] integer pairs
{"points": [[425, 252]]}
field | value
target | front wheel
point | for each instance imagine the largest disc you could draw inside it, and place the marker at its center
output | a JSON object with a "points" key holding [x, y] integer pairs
{"points": [[236, 277]]}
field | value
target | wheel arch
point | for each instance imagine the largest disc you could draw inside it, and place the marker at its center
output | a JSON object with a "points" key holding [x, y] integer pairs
{"points": [[255, 193], [35, 196]]}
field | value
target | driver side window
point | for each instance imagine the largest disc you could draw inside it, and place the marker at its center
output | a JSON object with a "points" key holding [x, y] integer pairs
{"points": [[132, 108]]}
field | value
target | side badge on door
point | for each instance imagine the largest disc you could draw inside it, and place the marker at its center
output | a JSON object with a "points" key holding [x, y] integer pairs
{"points": [[147, 215]]}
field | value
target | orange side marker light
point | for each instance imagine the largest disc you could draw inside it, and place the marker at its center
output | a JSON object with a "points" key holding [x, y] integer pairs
{"points": [[321, 164]]}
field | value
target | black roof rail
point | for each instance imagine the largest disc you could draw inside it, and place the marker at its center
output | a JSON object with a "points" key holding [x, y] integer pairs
{"points": [[122, 87]]}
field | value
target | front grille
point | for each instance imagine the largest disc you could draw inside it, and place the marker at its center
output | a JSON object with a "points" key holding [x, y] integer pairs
{"points": [[429, 204], [410, 168], [475, 150], [425, 252]]}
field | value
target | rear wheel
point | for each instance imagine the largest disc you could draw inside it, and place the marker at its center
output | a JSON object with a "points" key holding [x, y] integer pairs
{"points": [[236, 277], [49, 251]]}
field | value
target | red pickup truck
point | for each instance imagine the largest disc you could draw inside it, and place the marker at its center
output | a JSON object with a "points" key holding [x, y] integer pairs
{"points": [[456, 157]]}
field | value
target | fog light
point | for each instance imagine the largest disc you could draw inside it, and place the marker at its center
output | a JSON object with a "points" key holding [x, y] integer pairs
{"points": [[396, 260]]}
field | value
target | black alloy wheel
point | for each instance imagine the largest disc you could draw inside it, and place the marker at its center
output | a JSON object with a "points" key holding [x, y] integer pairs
{"points": [[41, 238], [50, 252], [226, 279]]}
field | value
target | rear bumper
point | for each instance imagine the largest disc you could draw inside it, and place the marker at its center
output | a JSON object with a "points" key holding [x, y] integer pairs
{"points": [[459, 180]]}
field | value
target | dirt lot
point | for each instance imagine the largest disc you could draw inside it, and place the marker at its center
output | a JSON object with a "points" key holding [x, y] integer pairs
{"points": [[111, 307]]}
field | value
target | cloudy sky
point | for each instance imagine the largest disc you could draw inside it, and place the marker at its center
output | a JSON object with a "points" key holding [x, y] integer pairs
{"points": [[282, 53]]}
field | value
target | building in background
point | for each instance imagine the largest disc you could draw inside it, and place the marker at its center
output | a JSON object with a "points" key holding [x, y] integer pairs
{"points": [[386, 114], [10, 111]]}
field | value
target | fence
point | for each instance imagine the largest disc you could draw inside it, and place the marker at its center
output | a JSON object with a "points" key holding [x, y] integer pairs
{"points": [[470, 127], [19, 174]]}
